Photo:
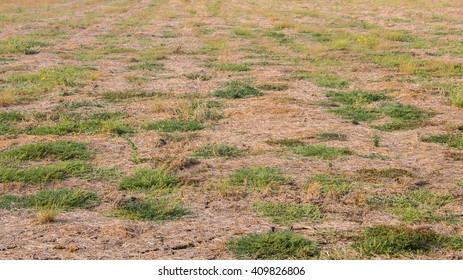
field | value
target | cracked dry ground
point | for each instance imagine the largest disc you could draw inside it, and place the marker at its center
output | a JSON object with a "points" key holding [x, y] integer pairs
{"points": [[375, 80]]}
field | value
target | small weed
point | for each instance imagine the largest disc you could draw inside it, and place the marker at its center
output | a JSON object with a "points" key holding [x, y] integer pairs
{"points": [[174, 125], [377, 141], [213, 150], [237, 89], [148, 179], [60, 199], [47, 214], [322, 151], [258, 178], [285, 214], [150, 210], [401, 241], [273, 246]]}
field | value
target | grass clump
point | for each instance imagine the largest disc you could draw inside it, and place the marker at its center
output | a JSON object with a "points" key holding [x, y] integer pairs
{"points": [[45, 174], [331, 136], [321, 151], [357, 114], [7, 117], [76, 105], [403, 117], [174, 125], [332, 184], [237, 89], [21, 46], [456, 97], [285, 214], [414, 206], [395, 125], [214, 150], [273, 87], [286, 142], [129, 94], [404, 112], [148, 179], [398, 241], [59, 199], [273, 246], [82, 127], [356, 97], [148, 209], [258, 178], [201, 76], [61, 150], [451, 140], [147, 66], [322, 79]]}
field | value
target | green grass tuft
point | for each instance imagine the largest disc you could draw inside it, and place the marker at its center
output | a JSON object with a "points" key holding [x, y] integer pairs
{"points": [[404, 112], [174, 125], [148, 179], [213, 150], [357, 114], [400, 241], [61, 199], [61, 150], [147, 66], [414, 206], [332, 184], [273, 87], [47, 173], [322, 151], [232, 67], [451, 140], [356, 97], [258, 178], [129, 94], [273, 246], [322, 79], [237, 89], [6, 117], [285, 214], [150, 210]]}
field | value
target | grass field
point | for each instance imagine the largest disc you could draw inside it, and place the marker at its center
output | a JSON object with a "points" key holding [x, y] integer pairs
{"points": [[265, 129]]}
